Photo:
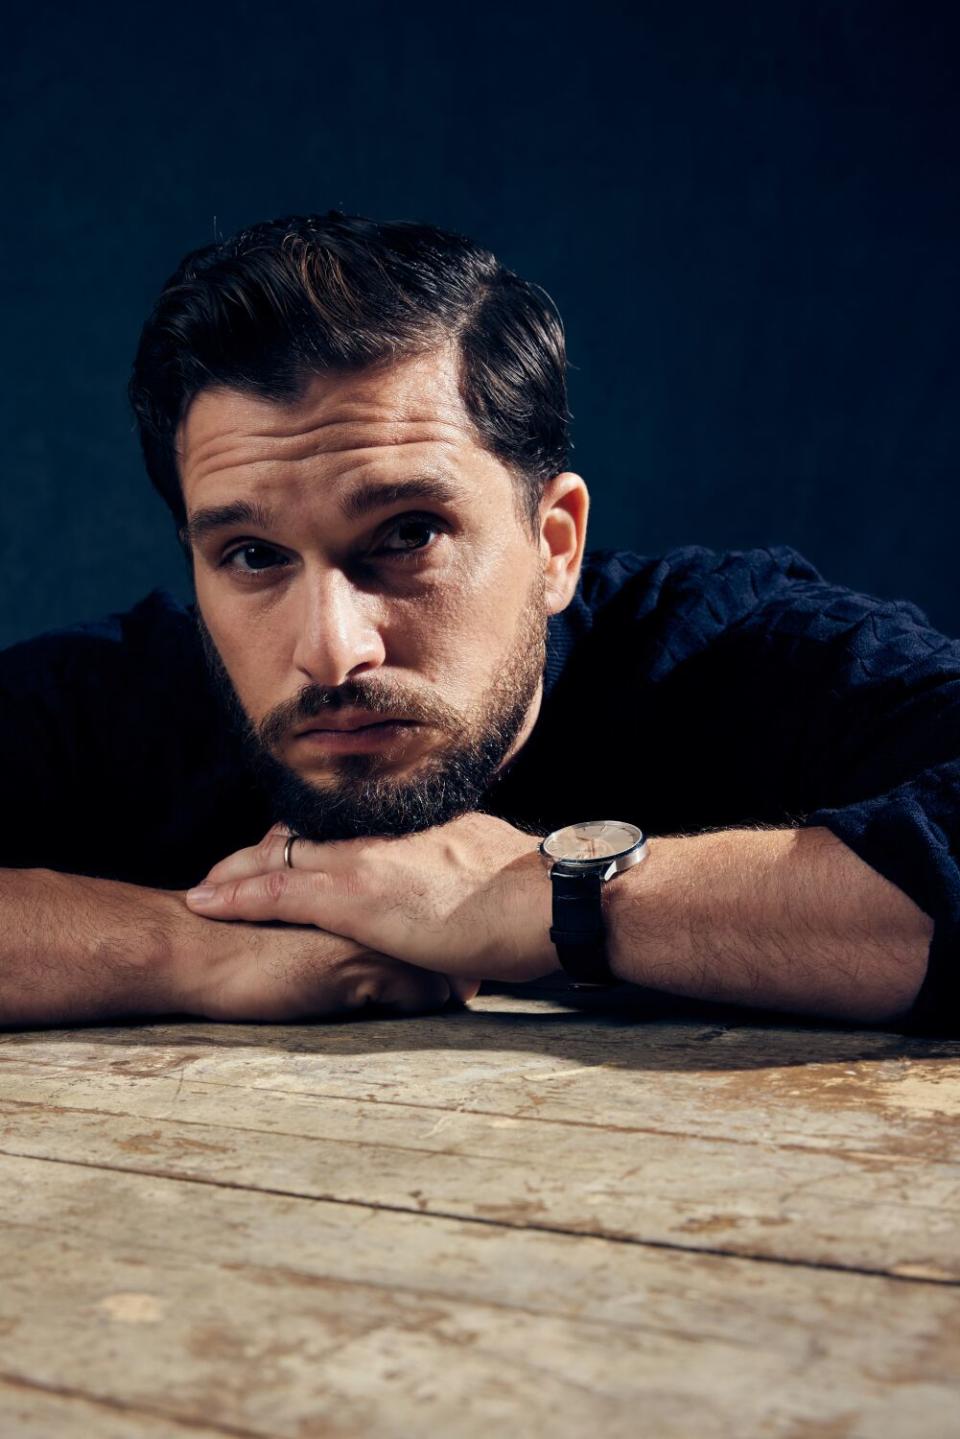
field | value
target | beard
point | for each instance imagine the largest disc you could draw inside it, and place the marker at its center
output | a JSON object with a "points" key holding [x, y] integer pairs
{"points": [[364, 797]]}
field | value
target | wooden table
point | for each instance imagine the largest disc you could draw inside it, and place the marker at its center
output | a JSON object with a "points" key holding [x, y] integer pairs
{"points": [[525, 1219]]}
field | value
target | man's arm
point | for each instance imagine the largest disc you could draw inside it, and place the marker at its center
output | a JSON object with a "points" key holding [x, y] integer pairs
{"points": [[788, 919], [785, 919], [77, 950]]}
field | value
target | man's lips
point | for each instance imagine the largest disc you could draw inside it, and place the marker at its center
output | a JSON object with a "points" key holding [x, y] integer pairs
{"points": [[346, 722], [356, 734]]}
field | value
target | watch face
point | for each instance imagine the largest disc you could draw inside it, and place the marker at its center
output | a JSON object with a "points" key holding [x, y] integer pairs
{"points": [[592, 840]]}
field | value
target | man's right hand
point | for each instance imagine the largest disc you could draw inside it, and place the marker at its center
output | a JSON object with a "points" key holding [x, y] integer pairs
{"points": [[284, 973]]}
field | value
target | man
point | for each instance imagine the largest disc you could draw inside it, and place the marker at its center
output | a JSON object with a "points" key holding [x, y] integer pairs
{"points": [[402, 673]]}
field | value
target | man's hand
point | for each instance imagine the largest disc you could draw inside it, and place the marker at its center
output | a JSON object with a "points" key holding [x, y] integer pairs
{"points": [[75, 949], [468, 898], [286, 973]]}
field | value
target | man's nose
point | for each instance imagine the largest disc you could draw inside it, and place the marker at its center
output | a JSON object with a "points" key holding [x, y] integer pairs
{"points": [[337, 634]]}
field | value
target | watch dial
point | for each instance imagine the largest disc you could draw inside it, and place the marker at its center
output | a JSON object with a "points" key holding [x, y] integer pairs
{"points": [[595, 839]]}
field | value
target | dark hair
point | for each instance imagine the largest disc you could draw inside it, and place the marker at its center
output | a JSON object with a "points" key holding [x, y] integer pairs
{"points": [[289, 298]]}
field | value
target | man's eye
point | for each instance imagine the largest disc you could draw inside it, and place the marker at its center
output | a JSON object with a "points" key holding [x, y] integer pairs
{"points": [[413, 536], [247, 551]]}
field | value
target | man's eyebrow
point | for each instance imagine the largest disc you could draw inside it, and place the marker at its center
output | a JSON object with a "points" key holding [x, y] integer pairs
{"points": [[376, 495], [221, 517]]}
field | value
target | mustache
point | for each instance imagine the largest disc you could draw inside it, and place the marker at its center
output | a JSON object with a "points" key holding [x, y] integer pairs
{"points": [[374, 699]]}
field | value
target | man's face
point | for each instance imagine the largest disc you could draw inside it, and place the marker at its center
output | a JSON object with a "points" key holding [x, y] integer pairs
{"points": [[376, 629]]}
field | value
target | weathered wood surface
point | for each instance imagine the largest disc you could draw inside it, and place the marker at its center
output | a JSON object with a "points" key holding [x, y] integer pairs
{"points": [[750, 1141], [522, 1216]]}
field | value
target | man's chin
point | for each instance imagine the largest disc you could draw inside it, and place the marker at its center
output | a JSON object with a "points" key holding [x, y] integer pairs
{"points": [[336, 776], [360, 796]]}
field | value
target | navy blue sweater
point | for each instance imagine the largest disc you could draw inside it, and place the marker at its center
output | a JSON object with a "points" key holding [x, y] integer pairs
{"points": [[691, 691]]}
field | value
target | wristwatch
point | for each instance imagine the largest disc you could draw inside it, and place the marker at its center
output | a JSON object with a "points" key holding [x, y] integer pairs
{"points": [[581, 858]]}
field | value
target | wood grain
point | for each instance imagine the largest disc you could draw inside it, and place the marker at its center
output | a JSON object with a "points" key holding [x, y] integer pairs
{"points": [[286, 1316], [524, 1216], [721, 1140]]}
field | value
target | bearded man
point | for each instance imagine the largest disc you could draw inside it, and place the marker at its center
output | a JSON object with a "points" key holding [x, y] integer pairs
{"points": [[412, 736]]}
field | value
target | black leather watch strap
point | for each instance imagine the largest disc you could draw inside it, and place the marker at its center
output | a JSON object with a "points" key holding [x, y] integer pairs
{"points": [[578, 930]]}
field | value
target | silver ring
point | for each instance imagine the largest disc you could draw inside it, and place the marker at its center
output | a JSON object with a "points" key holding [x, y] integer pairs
{"points": [[287, 848]]}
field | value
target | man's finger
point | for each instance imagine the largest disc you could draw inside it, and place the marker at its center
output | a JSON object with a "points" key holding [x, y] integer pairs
{"points": [[463, 989], [282, 894]]}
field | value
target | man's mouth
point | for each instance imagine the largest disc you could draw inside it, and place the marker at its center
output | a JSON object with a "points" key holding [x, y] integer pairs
{"points": [[351, 720], [340, 733]]}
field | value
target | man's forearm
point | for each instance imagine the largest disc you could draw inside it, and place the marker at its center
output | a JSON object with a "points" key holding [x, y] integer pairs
{"points": [[785, 919], [74, 949]]}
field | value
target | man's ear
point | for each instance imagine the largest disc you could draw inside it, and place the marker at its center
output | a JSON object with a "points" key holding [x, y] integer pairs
{"points": [[563, 534]]}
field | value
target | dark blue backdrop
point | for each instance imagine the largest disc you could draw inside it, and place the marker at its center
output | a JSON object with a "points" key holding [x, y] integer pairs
{"points": [[748, 215]]}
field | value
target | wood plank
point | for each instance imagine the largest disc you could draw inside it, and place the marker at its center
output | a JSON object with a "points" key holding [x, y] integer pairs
{"points": [[520, 1057], [822, 1206], [820, 1146], [278, 1316]]}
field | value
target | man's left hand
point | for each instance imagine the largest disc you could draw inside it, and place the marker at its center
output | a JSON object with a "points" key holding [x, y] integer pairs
{"points": [[468, 898]]}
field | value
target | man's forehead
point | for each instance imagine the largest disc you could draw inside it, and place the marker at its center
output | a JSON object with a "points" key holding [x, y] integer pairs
{"points": [[411, 402]]}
